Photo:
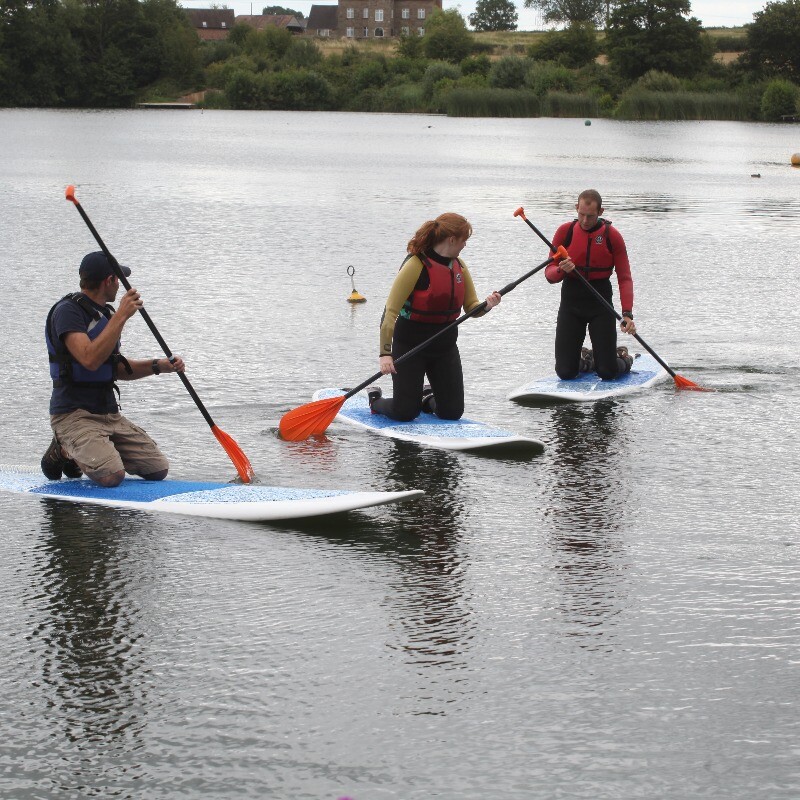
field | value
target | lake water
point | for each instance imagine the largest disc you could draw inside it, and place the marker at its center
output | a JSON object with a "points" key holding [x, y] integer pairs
{"points": [[615, 618]]}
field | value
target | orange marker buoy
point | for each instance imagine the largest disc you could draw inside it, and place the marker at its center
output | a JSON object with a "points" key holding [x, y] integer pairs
{"points": [[355, 297], [796, 160]]}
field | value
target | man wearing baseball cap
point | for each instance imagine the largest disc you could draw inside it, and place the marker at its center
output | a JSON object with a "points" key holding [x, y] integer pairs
{"points": [[83, 342]]}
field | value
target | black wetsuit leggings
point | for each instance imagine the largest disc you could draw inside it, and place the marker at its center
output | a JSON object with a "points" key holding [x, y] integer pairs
{"points": [[580, 309], [440, 361]]}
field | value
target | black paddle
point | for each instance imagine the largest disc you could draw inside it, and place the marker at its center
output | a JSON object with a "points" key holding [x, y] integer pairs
{"points": [[680, 381], [240, 460]]}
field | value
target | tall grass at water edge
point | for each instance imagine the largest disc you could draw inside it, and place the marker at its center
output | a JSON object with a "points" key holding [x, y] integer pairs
{"points": [[641, 104], [480, 102]]}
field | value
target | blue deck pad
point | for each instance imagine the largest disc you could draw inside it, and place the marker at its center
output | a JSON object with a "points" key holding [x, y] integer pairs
{"points": [[644, 369], [140, 491], [357, 409]]}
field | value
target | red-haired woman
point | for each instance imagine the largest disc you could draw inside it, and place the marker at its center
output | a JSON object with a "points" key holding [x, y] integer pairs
{"points": [[430, 290]]}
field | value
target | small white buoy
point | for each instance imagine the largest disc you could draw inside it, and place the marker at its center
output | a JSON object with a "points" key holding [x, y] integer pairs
{"points": [[355, 297]]}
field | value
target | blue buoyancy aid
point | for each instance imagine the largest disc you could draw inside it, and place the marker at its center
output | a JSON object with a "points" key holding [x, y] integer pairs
{"points": [[64, 368]]}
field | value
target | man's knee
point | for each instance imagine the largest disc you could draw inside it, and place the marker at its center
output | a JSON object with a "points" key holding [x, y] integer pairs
{"points": [[109, 480], [156, 476], [608, 370], [566, 374]]}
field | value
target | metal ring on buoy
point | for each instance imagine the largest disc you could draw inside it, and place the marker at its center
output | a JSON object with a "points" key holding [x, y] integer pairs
{"points": [[355, 297]]}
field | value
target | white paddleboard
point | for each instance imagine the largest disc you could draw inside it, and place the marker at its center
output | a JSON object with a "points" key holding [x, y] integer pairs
{"points": [[250, 502], [430, 431], [588, 386]]}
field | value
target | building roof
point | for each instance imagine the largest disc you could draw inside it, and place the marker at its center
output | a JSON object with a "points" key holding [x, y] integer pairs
{"points": [[211, 18], [323, 18], [261, 21]]}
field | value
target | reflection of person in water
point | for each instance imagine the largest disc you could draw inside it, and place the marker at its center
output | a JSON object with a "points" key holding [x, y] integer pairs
{"points": [[434, 608], [88, 636], [589, 489]]}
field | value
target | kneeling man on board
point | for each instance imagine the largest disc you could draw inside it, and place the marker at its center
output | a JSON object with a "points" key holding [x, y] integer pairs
{"points": [[596, 249], [83, 341]]}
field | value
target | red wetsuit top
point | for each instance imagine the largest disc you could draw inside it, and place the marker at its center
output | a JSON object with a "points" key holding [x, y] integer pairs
{"points": [[596, 253]]}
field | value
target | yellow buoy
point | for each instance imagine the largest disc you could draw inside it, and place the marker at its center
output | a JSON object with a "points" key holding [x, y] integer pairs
{"points": [[796, 160], [355, 297]]}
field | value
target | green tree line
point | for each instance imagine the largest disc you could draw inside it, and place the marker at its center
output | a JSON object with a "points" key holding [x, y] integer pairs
{"points": [[92, 53], [652, 60]]}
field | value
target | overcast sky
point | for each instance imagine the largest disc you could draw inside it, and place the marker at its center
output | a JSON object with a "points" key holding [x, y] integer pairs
{"points": [[711, 13]]}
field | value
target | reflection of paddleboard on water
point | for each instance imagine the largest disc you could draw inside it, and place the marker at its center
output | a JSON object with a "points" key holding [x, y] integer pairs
{"points": [[250, 502], [588, 386], [428, 430]]}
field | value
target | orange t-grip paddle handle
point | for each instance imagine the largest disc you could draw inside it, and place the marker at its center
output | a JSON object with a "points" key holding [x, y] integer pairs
{"points": [[561, 253], [70, 194], [520, 212]]}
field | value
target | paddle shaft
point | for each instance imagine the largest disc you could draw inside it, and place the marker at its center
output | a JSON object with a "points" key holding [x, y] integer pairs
{"points": [[480, 307], [603, 300], [145, 316]]}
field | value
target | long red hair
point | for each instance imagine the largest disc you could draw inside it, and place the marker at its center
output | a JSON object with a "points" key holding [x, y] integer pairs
{"points": [[434, 230]]}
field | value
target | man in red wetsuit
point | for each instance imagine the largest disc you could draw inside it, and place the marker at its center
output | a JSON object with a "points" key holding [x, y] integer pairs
{"points": [[596, 249]]}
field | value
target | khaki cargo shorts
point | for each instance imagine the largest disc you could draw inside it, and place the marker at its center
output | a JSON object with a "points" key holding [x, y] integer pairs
{"points": [[103, 444]]}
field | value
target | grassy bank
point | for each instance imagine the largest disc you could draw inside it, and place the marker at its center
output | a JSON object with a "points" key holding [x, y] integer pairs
{"points": [[504, 75]]}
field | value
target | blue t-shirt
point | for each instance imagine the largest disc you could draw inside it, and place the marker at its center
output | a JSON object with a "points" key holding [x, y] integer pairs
{"points": [[67, 317]]}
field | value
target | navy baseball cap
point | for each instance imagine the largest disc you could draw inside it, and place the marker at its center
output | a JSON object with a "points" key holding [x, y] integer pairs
{"points": [[96, 267]]}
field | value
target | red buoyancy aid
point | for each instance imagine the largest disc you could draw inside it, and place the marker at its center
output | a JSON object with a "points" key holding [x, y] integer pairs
{"points": [[442, 300], [590, 251]]}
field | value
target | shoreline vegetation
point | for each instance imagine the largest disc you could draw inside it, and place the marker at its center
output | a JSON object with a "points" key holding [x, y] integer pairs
{"points": [[501, 77], [153, 56]]}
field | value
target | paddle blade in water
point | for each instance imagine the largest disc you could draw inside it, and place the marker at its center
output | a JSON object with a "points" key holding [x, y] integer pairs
{"points": [[309, 420], [236, 454], [685, 383]]}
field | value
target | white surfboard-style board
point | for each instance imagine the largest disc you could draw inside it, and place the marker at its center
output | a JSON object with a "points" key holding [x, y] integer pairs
{"points": [[249, 502], [588, 386], [427, 430]]}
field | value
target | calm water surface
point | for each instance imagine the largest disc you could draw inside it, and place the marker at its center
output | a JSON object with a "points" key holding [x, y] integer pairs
{"points": [[616, 618]]}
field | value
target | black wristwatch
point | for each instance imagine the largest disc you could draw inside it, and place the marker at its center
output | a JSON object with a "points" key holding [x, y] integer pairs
{"points": [[154, 366], [628, 314]]}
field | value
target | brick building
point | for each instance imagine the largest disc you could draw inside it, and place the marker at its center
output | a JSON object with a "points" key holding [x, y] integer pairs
{"points": [[367, 19]]}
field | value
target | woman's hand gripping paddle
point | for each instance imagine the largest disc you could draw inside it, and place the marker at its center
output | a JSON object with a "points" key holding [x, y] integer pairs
{"points": [[237, 456], [680, 381], [313, 418]]}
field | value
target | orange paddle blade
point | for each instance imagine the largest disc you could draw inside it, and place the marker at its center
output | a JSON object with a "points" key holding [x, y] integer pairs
{"points": [[235, 453], [310, 419], [685, 383]]}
